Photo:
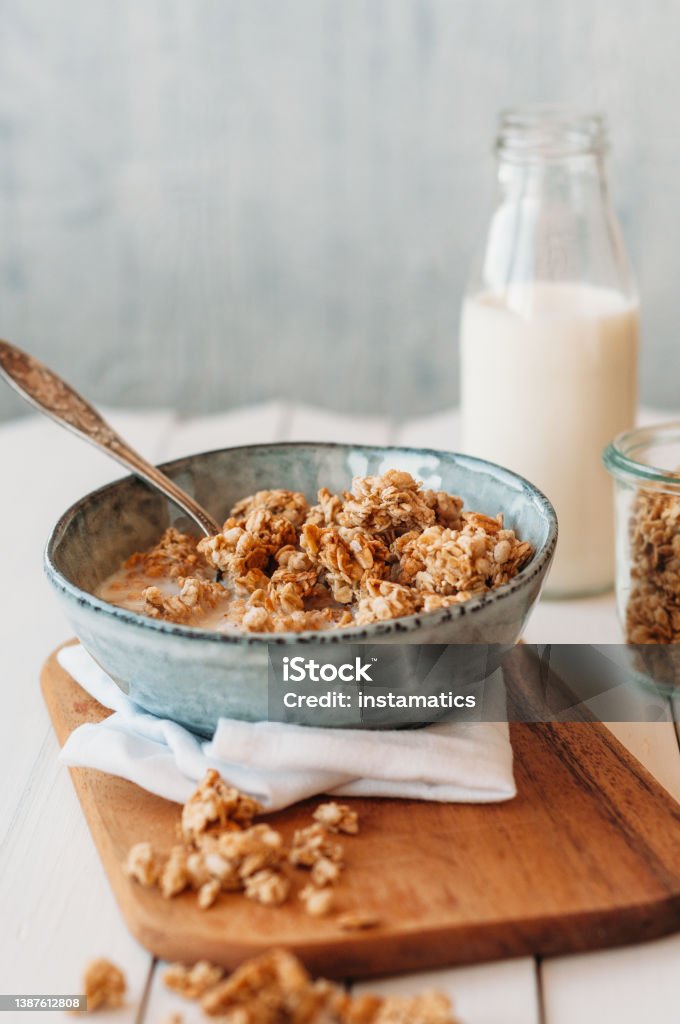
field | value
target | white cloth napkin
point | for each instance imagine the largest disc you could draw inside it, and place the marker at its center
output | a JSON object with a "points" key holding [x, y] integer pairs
{"points": [[279, 764]]}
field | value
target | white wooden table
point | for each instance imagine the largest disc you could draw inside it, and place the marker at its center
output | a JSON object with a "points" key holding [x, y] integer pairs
{"points": [[56, 910]]}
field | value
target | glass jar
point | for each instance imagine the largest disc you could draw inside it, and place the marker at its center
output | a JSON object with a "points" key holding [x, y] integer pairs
{"points": [[549, 333], [645, 465]]}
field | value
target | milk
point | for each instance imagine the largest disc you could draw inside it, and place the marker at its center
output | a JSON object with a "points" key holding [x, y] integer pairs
{"points": [[549, 375]]}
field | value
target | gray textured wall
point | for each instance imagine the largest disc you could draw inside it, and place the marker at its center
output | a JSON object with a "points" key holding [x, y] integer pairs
{"points": [[208, 202]]}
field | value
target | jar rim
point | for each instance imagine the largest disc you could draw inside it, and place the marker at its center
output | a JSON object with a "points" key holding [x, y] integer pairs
{"points": [[544, 131], [618, 455]]}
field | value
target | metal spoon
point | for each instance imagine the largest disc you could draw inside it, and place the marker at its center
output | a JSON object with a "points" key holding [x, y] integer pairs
{"points": [[53, 396]]}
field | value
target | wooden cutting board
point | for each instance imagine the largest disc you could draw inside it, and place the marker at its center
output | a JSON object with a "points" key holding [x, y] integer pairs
{"points": [[587, 855]]}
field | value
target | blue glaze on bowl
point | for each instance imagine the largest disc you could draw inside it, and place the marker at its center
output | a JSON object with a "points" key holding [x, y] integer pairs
{"points": [[195, 676]]}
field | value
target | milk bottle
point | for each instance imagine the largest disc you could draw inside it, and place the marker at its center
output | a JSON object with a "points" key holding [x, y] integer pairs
{"points": [[549, 334]]}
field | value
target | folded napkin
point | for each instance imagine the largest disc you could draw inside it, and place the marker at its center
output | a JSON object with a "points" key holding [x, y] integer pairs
{"points": [[279, 764]]}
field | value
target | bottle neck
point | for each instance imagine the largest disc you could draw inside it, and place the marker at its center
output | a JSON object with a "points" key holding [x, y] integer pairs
{"points": [[574, 179], [553, 220], [552, 152]]}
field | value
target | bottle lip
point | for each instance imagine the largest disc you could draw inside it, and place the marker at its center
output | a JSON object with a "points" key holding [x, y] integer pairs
{"points": [[546, 131]]}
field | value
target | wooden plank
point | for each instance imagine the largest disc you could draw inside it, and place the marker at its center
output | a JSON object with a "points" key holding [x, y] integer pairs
{"points": [[254, 424], [45, 469], [627, 986], [481, 994], [640, 982], [57, 909], [162, 1002], [309, 423], [440, 430], [590, 620], [592, 868]]}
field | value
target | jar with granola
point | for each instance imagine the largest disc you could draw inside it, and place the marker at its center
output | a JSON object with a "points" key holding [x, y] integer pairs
{"points": [[645, 464]]}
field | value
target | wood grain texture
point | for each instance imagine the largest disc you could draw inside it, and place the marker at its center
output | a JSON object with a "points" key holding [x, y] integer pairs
{"points": [[587, 855]]}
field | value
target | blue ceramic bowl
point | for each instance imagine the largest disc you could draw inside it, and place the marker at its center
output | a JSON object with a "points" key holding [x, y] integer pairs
{"points": [[196, 676]]}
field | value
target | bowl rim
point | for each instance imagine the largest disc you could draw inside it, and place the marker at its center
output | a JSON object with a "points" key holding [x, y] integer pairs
{"points": [[350, 634]]}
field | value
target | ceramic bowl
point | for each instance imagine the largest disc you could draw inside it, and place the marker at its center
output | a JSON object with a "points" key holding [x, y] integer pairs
{"points": [[196, 676]]}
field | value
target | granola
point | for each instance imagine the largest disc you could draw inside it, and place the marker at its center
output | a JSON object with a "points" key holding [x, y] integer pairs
{"points": [[143, 864], [313, 843], [325, 872], [276, 989], [386, 549], [268, 887], [215, 803], [208, 893], [337, 818], [104, 985], [653, 608], [192, 982], [291, 505], [223, 851], [385, 600], [317, 902], [195, 597], [653, 611], [478, 556], [388, 504], [174, 877]]}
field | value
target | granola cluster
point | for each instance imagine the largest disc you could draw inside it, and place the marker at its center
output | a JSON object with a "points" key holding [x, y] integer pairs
{"points": [[276, 989], [387, 549], [222, 850], [104, 985]]}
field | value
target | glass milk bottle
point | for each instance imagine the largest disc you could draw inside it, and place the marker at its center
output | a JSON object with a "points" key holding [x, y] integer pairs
{"points": [[549, 333]]}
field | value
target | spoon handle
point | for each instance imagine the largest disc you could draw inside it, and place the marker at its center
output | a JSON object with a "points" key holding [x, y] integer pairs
{"points": [[54, 397]]}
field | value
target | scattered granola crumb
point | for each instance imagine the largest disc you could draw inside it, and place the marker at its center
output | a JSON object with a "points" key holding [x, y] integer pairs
{"points": [[357, 920], [173, 1018], [429, 1008], [143, 865], [276, 989], [312, 843], [223, 851], [104, 985], [208, 893], [192, 982], [175, 876], [317, 902], [273, 983], [215, 803], [337, 818], [268, 887], [325, 872]]}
